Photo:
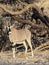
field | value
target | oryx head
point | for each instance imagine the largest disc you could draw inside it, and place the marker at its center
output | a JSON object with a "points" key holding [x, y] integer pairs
{"points": [[8, 28]]}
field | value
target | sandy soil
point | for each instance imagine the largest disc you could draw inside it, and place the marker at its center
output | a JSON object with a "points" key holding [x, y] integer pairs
{"points": [[40, 58]]}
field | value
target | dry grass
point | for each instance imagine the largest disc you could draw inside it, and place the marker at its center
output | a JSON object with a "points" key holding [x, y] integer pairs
{"points": [[42, 56]]}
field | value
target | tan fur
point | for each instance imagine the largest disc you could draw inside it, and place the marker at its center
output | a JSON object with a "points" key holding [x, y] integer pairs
{"points": [[19, 37]]}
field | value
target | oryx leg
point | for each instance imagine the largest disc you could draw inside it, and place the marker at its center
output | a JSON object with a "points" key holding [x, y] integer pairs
{"points": [[24, 43], [30, 45], [14, 50]]}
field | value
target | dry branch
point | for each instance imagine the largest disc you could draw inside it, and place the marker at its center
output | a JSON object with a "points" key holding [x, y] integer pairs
{"points": [[30, 23], [41, 15], [23, 3], [46, 47], [42, 45], [21, 11]]}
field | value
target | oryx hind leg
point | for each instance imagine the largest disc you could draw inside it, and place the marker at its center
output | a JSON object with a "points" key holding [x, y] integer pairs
{"points": [[24, 43], [30, 45]]}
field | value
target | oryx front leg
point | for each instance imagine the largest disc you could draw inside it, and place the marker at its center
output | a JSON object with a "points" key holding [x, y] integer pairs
{"points": [[13, 52], [13, 49]]}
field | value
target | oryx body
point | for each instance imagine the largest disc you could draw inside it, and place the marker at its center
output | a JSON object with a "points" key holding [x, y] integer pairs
{"points": [[20, 37]]}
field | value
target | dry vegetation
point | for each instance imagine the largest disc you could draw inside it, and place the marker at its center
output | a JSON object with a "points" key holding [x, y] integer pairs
{"points": [[21, 14]]}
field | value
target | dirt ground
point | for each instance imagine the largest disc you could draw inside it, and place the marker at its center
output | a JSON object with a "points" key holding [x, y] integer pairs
{"points": [[40, 58]]}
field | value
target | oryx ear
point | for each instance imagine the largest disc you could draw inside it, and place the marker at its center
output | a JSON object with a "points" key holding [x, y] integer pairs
{"points": [[12, 26]]}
